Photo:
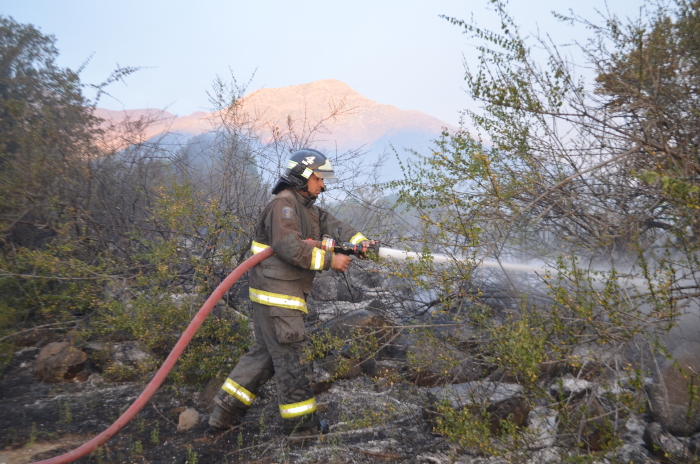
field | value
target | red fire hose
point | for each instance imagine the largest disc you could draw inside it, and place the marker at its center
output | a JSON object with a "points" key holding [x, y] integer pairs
{"points": [[167, 366]]}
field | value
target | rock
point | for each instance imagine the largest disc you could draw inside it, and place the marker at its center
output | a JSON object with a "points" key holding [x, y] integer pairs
{"points": [[591, 359], [669, 398], [592, 428], [633, 432], [331, 286], [369, 278], [432, 362], [381, 369], [361, 322], [59, 361], [545, 456], [500, 400], [569, 385], [542, 422], [464, 394], [662, 443], [35, 337], [397, 349], [455, 330], [95, 379], [118, 360], [364, 331], [188, 419], [633, 454], [129, 352], [340, 367], [321, 380], [324, 288]]}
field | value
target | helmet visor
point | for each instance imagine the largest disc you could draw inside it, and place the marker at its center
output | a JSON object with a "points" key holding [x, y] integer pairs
{"points": [[326, 172], [327, 176]]}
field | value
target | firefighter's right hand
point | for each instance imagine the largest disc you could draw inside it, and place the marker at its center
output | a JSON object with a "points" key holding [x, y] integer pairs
{"points": [[340, 262]]}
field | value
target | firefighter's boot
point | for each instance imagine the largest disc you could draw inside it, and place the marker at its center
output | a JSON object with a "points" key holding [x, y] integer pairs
{"points": [[221, 420]]}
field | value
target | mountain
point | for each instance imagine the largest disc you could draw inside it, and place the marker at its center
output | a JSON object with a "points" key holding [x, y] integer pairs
{"points": [[362, 123]]}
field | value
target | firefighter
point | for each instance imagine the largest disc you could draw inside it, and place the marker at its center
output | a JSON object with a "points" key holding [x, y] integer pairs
{"points": [[279, 286]]}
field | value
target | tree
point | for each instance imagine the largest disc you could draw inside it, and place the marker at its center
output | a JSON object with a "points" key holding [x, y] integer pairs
{"points": [[582, 174], [45, 130]]}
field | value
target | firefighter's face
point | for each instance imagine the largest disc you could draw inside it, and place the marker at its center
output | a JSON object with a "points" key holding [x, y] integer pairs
{"points": [[315, 185]]}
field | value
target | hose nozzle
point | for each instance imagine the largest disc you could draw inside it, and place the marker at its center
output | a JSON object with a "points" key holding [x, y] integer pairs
{"points": [[347, 248]]}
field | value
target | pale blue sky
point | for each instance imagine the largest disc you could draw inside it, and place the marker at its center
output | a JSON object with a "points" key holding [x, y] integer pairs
{"points": [[394, 52]]}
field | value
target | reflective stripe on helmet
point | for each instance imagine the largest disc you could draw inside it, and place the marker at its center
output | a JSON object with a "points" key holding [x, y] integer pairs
{"points": [[318, 259], [357, 238], [238, 392], [298, 409], [277, 299], [257, 247], [327, 166], [307, 172]]}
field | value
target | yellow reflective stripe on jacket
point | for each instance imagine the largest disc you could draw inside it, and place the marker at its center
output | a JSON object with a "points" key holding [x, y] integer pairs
{"points": [[357, 238], [318, 258], [298, 409], [238, 392], [277, 299], [256, 247]]}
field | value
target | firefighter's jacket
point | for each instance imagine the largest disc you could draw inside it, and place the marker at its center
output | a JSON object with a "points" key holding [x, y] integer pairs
{"points": [[285, 279]]}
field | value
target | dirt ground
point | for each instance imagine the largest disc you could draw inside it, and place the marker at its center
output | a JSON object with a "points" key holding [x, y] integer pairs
{"points": [[43, 420]]}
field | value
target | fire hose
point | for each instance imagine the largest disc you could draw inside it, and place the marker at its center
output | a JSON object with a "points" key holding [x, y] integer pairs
{"points": [[362, 250], [167, 366]]}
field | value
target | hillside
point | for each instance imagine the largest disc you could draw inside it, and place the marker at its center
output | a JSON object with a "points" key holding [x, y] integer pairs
{"points": [[362, 122]]}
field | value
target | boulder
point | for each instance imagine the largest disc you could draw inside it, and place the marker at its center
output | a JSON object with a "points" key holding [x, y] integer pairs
{"points": [[325, 287], [364, 331], [331, 286], [455, 330], [634, 454], [663, 444], [382, 369], [469, 393], [568, 386], [321, 380], [591, 360], [129, 353], [499, 401], [340, 367], [670, 402], [357, 322], [542, 422], [59, 361], [587, 423], [633, 433], [188, 419], [35, 337], [693, 444], [432, 362]]}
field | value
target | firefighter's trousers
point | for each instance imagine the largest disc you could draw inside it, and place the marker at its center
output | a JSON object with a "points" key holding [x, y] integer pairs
{"points": [[278, 350]]}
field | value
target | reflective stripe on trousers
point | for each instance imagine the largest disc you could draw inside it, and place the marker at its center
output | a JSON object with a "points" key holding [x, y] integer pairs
{"points": [[298, 409], [238, 392]]}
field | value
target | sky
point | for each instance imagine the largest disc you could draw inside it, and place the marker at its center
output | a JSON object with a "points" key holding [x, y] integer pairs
{"points": [[396, 52]]}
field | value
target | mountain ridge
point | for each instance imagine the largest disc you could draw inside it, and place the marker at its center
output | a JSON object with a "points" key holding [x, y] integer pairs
{"points": [[362, 122]]}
